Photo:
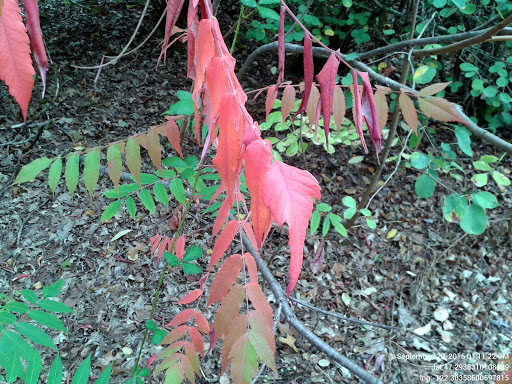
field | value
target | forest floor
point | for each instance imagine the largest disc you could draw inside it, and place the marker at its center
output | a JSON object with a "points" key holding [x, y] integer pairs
{"points": [[414, 272]]}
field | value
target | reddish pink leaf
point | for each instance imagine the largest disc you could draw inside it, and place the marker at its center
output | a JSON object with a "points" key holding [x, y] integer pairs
{"points": [[238, 328], [356, 110], [287, 102], [269, 101], [190, 297], [280, 45], [327, 80], [202, 323], [224, 240], [15, 62], [250, 234], [173, 11], [175, 334], [173, 135], [338, 107], [36, 38], [311, 108], [289, 194], [181, 318], [309, 70], [197, 340], [225, 278], [250, 264], [161, 249], [259, 301], [179, 247], [409, 112], [155, 240], [227, 204], [382, 108], [257, 163], [228, 310], [369, 111]]}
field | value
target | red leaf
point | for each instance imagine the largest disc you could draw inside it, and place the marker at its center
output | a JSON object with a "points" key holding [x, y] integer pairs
{"points": [[289, 194], [36, 38], [179, 247], [327, 80], [369, 111], [228, 310], [439, 109], [15, 62], [197, 340], [175, 334], [338, 107], [225, 278], [181, 318], [155, 240], [409, 112], [259, 301], [227, 204], [238, 328], [250, 234], [190, 297], [356, 110], [309, 70], [287, 102], [257, 158], [280, 45], [173, 135], [202, 323], [161, 249], [269, 101], [250, 264], [173, 11], [223, 241]]}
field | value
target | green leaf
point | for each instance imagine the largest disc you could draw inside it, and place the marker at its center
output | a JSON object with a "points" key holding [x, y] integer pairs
{"points": [[91, 171], [10, 361], [419, 160], [104, 378], [171, 259], [71, 173], [124, 190], [55, 374], [347, 3], [489, 159], [147, 200], [47, 319], [485, 200], [474, 220], [439, 3], [336, 223], [490, 91], [174, 162], [176, 188], [193, 253], [130, 206], [189, 269], [267, 13], [349, 213], [500, 178], [249, 3], [83, 371], [371, 224], [467, 67], [424, 74], [34, 367], [480, 179], [7, 318], [349, 201], [425, 186], [54, 174], [161, 194], [29, 295], [111, 210], [158, 336], [315, 221], [365, 212], [147, 178], [454, 207], [323, 207], [35, 334], [17, 344], [30, 171], [53, 290], [151, 325], [482, 166], [16, 307], [463, 140], [326, 226], [54, 306]]}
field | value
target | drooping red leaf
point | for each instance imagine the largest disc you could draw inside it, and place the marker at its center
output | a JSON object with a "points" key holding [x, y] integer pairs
{"points": [[190, 297], [409, 112], [289, 193], [250, 234], [165, 242], [250, 264], [173, 135], [338, 107], [224, 240], [369, 111], [202, 323], [181, 318], [259, 301], [225, 278], [36, 39], [238, 328], [173, 11], [269, 101], [179, 247], [223, 213], [356, 110], [309, 71], [15, 62], [382, 108], [192, 32], [155, 242], [257, 159], [287, 102], [280, 45], [197, 340], [327, 80], [439, 109], [228, 310]]}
